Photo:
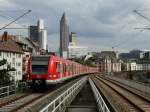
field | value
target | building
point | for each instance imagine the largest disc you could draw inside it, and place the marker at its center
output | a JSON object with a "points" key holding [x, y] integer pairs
{"points": [[116, 65], [29, 48], [26, 44], [33, 34], [11, 51], [145, 54], [132, 55], [143, 65], [42, 34], [105, 64], [73, 38], [77, 51], [109, 65], [138, 65], [38, 34], [133, 66], [43, 39], [64, 36], [108, 62]]}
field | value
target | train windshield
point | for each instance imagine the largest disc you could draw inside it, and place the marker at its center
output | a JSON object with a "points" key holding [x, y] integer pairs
{"points": [[40, 65]]}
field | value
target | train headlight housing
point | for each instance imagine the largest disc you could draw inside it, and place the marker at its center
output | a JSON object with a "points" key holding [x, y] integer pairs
{"points": [[50, 75]]}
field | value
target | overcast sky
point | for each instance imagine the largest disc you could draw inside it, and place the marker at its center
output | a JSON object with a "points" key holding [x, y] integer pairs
{"points": [[99, 24]]}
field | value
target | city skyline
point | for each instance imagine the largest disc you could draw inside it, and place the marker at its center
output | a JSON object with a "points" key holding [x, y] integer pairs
{"points": [[89, 20]]}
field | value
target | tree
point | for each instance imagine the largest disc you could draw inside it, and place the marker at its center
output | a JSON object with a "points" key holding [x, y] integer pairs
{"points": [[5, 76], [89, 62]]}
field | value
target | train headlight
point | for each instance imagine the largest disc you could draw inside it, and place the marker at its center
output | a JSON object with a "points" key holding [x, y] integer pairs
{"points": [[50, 75]]}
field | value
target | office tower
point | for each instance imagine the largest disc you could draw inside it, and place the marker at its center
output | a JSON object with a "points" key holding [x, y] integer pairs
{"points": [[33, 33], [42, 34], [43, 39], [40, 24], [64, 36], [38, 34]]}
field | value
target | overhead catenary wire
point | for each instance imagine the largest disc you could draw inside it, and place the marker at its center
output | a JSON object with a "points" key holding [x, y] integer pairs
{"points": [[126, 40], [15, 19], [10, 19], [146, 18], [136, 11], [17, 10]]}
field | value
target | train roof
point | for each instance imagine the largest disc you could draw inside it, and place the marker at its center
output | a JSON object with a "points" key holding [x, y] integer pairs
{"points": [[59, 58], [40, 55]]}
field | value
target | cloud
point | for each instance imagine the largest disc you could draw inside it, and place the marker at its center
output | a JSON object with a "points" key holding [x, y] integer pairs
{"points": [[99, 23]]}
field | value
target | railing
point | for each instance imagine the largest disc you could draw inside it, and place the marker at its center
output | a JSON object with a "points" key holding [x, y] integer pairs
{"points": [[7, 90], [101, 105], [61, 102]]}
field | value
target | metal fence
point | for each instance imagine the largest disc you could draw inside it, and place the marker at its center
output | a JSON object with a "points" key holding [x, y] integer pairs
{"points": [[101, 105], [61, 102], [7, 90]]}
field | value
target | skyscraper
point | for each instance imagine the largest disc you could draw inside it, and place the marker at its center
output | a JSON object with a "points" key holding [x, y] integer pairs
{"points": [[38, 34], [42, 34], [33, 33], [64, 36]]}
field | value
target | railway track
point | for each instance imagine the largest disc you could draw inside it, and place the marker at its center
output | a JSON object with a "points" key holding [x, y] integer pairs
{"points": [[134, 102], [6, 100], [34, 101], [20, 102]]}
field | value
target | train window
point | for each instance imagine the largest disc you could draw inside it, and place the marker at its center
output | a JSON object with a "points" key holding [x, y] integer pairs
{"points": [[59, 68], [73, 68], [39, 69], [64, 68], [67, 68]]}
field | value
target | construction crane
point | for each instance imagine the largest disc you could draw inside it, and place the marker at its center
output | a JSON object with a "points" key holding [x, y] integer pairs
{"points": [[16, 19]]}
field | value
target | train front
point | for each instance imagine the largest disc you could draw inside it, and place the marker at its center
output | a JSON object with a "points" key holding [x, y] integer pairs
{"points": [[39, 70]]}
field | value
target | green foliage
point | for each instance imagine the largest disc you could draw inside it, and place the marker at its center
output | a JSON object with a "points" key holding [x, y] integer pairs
{"points": [[90, 62], [21, 86], [5, 77]]}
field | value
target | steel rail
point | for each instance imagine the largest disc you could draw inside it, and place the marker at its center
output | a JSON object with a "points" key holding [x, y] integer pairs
{"points": [[129, 96]]}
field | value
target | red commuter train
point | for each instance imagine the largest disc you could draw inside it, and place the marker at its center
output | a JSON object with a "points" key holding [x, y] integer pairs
{"points": [[52, 69]]}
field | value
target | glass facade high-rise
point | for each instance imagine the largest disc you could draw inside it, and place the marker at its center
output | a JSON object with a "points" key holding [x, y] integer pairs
{"points": [[33, 33], [64, 36], [42, 34], [38, 34]]}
